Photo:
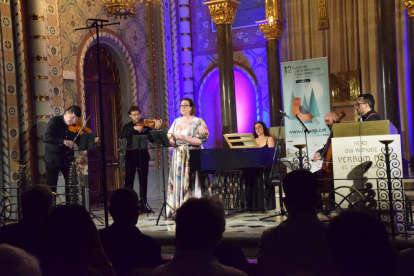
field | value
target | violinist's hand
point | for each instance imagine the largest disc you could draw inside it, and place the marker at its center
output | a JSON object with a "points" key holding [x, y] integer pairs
{"points": [[158, 124], [172, 141], [96, 139], [68, 143], [139, 128], [316, 156]]}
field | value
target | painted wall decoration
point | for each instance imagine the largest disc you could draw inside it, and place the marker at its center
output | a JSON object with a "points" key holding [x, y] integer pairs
{"points": [[133, 31], [248, 12], [245, 35]]}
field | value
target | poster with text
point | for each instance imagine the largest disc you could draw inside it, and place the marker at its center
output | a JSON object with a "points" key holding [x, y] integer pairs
{"points": [[306, 95]]}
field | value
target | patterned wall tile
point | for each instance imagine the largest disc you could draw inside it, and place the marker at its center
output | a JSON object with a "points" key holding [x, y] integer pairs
{"points": [[11, 88]]}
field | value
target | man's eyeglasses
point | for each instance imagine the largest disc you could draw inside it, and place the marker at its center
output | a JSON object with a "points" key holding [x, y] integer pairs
{"points": [[184, 105], [358, 104]]}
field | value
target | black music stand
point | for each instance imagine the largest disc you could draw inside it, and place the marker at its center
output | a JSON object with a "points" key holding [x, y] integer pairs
{"points": [[140, 142], [86, 142], [278, 149], [161, 141]]}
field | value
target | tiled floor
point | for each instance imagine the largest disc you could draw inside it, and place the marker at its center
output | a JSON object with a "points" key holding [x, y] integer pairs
{"points": [[240, 225], [247, 223]]}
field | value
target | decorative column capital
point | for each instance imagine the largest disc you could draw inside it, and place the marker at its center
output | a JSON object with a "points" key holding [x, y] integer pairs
{"points": [[409, 6], [272, 30], [223, 11]]}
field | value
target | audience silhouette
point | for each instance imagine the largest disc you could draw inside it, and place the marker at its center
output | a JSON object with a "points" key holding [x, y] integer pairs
{"points": [[124, 244], [231, 255], [71, 244], [36, 205], [16, 262], [360, 245], [200, 224], [299, 244], [67, 243]]}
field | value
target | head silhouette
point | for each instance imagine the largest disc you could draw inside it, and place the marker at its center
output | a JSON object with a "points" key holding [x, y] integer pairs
{"points": [[71, 238], [37, 202], [301, 191], [124, 206], [360, 246], [200, 224], [15, 261]]}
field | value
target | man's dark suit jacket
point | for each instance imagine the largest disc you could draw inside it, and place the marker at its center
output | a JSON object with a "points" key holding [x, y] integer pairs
{"points": [[57, 131], [128, 132]]}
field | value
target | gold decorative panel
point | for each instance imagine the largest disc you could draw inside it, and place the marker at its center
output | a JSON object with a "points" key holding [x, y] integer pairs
{"points": [[323, 20], [345, 86]]}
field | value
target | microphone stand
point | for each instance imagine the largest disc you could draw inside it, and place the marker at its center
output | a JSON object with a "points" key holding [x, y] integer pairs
{"points": [[99, 23], [278, 150]]}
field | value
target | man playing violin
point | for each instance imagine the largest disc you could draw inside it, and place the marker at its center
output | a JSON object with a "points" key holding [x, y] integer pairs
{"points": [[59, 140], [133, 158]]}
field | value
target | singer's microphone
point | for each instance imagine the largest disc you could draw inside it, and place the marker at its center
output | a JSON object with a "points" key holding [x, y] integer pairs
{"points": [[283, 113]]}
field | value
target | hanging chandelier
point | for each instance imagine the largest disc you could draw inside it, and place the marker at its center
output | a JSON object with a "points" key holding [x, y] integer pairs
{"points": [[120, 8]]}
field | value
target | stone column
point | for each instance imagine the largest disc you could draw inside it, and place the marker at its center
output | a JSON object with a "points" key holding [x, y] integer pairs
{"points": [[223, 13], [387, 52], [409, 6], [271, 29]]}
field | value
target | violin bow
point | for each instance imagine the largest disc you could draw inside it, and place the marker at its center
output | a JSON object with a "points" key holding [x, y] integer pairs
{"points": [[81, 128]]}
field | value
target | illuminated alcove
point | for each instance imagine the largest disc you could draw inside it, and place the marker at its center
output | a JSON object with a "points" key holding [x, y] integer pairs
{"points": [[210, 107]]}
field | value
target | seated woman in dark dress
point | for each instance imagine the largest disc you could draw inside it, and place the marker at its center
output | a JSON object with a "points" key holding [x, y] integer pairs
{"points": [[254, 177], [263, 138]]}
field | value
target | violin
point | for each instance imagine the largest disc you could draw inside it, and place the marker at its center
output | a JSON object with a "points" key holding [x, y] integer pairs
{"points": [[78, 128], [149, 123]]}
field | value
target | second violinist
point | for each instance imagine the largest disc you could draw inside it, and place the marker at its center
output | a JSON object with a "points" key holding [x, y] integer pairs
{"points": [[133, 159]]}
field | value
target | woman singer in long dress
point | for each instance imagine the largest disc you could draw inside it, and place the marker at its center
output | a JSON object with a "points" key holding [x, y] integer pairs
{"points": [[187, 132]]}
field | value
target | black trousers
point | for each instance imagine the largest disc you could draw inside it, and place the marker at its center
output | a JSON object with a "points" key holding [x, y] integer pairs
{"points": [[52, 173], [132, 164]]}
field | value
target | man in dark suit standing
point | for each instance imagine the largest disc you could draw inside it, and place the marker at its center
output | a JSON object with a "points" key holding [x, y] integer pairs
{"points": [[365, 108], [137, 159], [59, 142]]}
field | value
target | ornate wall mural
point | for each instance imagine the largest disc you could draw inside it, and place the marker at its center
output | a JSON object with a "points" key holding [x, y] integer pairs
{"points": [[246, 33], [134, 32]]}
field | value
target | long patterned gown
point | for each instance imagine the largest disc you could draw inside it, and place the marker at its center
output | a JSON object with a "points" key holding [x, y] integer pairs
{"points": [[180, 187]]}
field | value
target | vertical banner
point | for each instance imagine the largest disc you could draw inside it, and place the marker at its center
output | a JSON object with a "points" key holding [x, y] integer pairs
{"points": [[306, 94]]}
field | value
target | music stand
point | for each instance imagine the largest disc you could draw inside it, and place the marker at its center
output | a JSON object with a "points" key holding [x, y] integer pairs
{"points": [[86, 142], [140, 142], [278, 150], [161, 141]]}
